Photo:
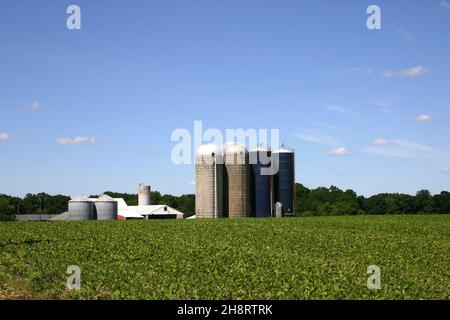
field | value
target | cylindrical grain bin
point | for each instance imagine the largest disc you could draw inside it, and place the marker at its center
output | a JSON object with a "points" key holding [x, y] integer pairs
{"points": [[284, 179], [209, 182], [81, 208], [144, 195], [106, 208], [236, 181], [261, 180]]}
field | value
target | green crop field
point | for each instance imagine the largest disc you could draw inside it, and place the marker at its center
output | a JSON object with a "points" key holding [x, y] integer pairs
{"points": [[297, 258]]}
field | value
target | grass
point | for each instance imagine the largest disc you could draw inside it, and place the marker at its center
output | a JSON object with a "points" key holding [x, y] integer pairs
{"points": [[296, 258]]}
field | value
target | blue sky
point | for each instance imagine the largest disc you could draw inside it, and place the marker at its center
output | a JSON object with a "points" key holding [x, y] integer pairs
{"points": [[364, 109]]}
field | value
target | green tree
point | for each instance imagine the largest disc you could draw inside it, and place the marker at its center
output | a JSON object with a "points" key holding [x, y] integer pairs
{"points": [[423, 201], [6, 210]]}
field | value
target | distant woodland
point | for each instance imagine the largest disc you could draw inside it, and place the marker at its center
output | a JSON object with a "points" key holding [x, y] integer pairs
{"points": [[309, 202]]}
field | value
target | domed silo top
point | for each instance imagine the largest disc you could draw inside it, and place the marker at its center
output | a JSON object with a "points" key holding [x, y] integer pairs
{"points": [[260, 154], [235, 148], [105, 198], [142, 186], [284, 149], [209, 154], [235, 153], [261, 148], [80, 199]]}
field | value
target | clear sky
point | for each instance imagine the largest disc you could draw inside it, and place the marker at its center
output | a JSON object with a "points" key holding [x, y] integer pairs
{"points": [[90, 110]]}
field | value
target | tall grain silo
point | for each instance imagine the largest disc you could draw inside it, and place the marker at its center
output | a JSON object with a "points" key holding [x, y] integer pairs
{"points": [[106, 208], [81, 208], [236, 181], [284, 180], [144, 195], [209, 182], [261, 182]]}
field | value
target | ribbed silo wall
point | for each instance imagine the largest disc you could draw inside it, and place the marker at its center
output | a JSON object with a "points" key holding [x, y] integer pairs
{"points": [[81, 210], [208, 188], [106, 210], [237, 186], [284, 181], [261, 184]]}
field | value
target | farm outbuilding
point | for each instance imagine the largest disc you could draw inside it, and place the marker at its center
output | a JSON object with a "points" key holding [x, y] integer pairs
{"points": [[108, 208], [146, 211], [152, 212]]}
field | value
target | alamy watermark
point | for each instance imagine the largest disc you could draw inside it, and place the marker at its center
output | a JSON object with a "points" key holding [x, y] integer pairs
{"points": [[74, 280], [187, 143], [374, 280], [73, 22], [374, 20]]}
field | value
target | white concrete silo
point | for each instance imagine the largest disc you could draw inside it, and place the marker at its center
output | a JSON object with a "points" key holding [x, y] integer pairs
{"points": [[236, 181], [144, 195], [209, 182]]}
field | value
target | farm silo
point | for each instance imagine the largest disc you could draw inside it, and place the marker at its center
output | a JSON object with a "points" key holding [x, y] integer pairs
{"points": [[284, 180], [81, 208], [209, 182], [144, 195], [261, 182], [236, 181], [106, 208]]}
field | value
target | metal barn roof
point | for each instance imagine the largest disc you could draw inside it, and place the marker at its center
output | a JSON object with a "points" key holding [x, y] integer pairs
{"points": [[142, 211], [129, 214]]}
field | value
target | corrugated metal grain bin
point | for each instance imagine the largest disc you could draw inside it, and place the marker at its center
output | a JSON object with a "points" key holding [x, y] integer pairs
{"points": [[81, 208], [106, 208]]}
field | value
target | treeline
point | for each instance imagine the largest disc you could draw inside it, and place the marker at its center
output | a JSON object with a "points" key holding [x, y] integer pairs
{"points": [[43, 203], [40, 203], [309, 202], [334, 201]]}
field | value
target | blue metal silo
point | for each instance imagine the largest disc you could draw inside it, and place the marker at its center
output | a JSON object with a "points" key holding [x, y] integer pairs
{"points": [[261, 182], [284, 180]]}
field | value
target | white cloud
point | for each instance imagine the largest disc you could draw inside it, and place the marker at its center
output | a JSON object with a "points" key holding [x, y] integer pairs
{"points": [[76, 140], [382, 105], [155, 153], [339, 151], [382, 142], [191, 183], [33, 107], [326, 126], [445, 4], [446, 171], [335, 108], [405, 34], [5, 136], [405, 149], [388, 74], [415, 71], [422, 118], [411, 72], [363, 70], [317, 137], [339, 109]]}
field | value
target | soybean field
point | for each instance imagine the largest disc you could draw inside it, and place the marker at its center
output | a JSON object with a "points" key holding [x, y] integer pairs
{"points": [[292, 258]]}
